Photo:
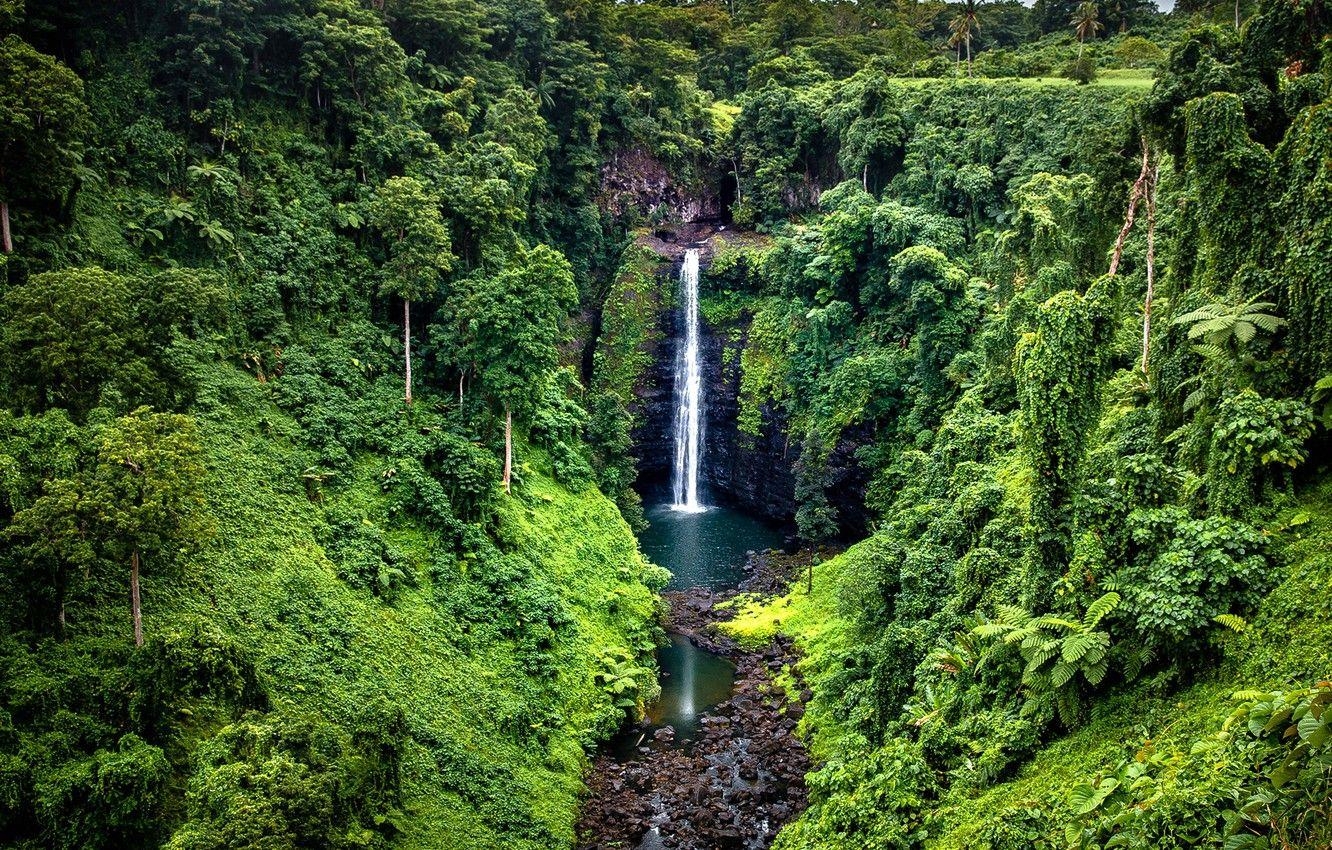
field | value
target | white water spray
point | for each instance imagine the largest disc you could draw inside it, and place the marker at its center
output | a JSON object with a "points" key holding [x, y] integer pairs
{"points": [[688, 395]]}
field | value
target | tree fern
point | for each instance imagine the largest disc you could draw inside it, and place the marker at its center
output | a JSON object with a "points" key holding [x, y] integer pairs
{"points": [[1056, 649], [1217, 324]]}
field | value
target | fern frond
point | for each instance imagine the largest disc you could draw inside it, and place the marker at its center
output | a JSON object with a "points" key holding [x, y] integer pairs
{"points": [[1099, 609], [1095, 673], [1234, 622], [1137, 660], [1076, 647], [1257, 307], [1267, 322], [1066, 702], [1050, 621], [1194, 399], [1211, 311], [991, 630], [1097, 650], [1038, 644], [1248, 696], [1041, 656], [1220, 324], [1062, 673], [1182, 430]]}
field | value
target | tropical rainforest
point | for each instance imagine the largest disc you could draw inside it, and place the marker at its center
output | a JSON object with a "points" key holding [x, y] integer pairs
{"points": [[323, 332]]}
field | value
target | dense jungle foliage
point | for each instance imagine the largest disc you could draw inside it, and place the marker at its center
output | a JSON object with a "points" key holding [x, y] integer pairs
{"points": [[320, 341], [1094, 608]]}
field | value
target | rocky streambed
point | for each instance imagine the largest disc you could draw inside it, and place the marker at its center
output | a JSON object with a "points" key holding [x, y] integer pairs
{"points": [[741, 776]]}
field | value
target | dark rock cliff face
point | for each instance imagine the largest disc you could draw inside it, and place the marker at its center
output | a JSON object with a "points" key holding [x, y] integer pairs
{"points": [[635, 180], [653, 438], [754, 474], [751, 473]]}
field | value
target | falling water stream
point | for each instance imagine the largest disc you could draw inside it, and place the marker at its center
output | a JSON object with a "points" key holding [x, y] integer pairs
{"points": [[688, 395], [705, 547], [702, 545]]}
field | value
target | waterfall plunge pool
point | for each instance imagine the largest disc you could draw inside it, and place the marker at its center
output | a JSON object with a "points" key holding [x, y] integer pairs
{"points": [[705, 548], [701, 549]]}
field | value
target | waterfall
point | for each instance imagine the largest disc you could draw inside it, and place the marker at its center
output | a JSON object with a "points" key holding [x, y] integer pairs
{"points": [[688, 395]]}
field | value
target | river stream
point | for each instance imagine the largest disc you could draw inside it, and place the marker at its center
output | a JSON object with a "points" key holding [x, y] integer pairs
{"points": [[715, 763]]}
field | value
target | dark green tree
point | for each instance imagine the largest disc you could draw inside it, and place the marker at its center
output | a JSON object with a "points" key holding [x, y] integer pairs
{"points": [[43, 119], [69, 334], [417, 241], [146, 493], [516, 324]]}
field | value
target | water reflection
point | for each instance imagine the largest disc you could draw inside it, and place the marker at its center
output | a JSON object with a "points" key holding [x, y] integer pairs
{"points": [[692, 681]]}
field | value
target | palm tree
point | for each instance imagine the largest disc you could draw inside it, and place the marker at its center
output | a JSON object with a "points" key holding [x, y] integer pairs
{"points": [[1086, 22], [963, 26]]}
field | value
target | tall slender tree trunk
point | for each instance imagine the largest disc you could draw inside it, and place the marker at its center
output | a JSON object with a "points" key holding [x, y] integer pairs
{"points": [[1151, 269], [5, 239], [1136, 195], [61, 584], [968, 53], [135, 609], [407, 343], [508, 446], [461, 375]]}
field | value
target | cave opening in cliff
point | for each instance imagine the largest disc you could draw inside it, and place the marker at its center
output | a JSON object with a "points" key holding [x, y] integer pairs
{"points": [[728, 191]]}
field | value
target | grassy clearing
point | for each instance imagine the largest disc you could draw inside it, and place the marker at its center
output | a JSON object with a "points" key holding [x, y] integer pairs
{"points": [[1125, 78]]}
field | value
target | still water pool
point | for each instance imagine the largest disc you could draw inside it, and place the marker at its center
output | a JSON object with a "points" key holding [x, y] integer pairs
{"points": [[704, 549], [692, 681]]}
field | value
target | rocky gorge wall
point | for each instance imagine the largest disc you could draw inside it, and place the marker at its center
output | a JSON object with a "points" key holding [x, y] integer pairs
{"points": [[754, 475], [641, 330]]}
